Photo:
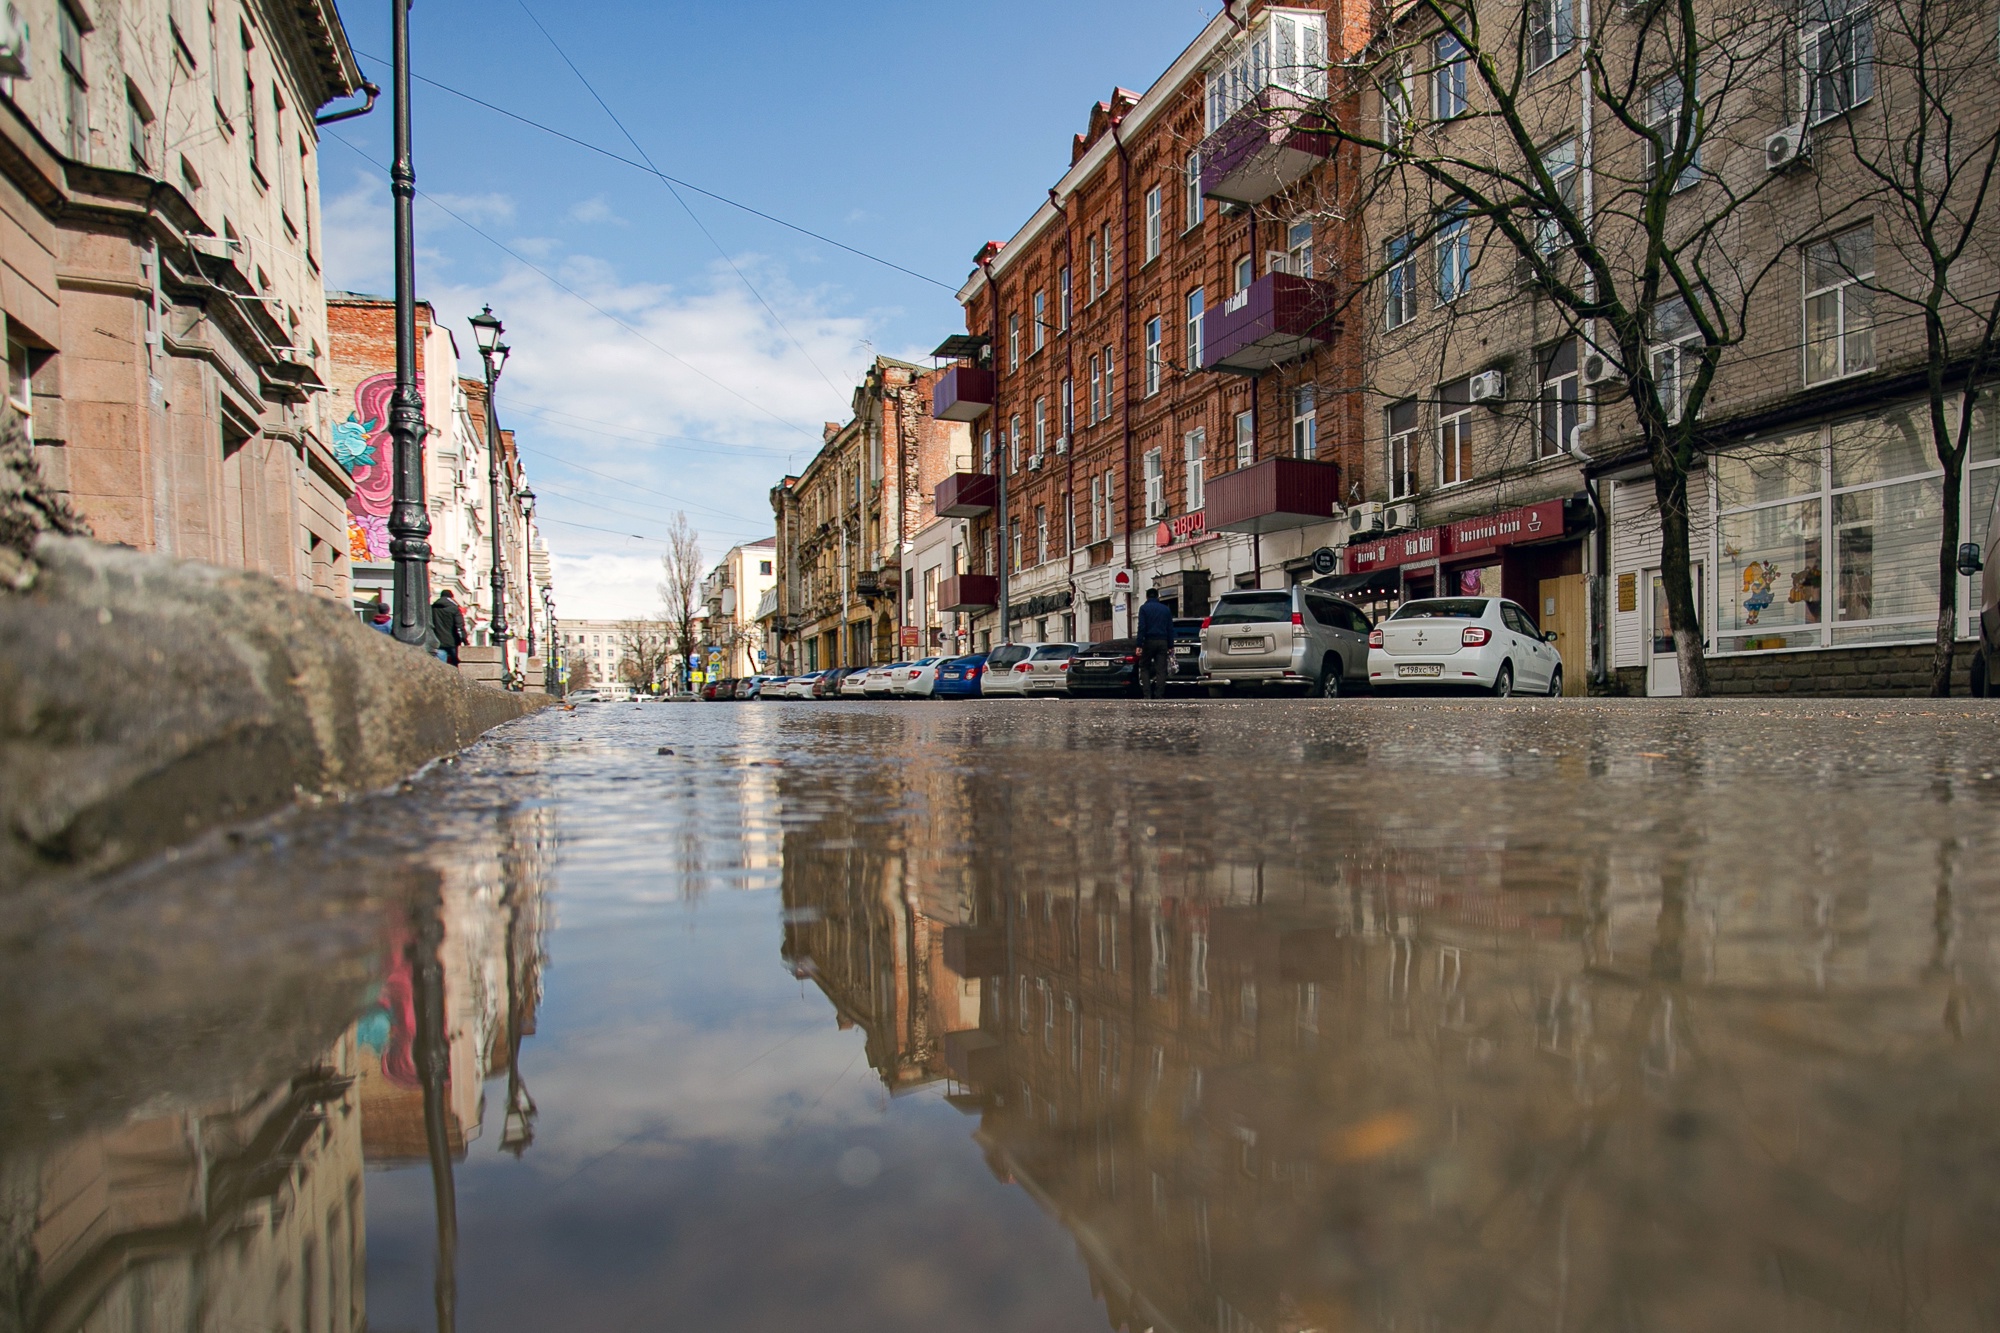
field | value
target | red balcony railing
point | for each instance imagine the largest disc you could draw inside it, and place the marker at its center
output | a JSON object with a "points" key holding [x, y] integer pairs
{"points": [[1275, 319], [963, 393], [1268, 146]]}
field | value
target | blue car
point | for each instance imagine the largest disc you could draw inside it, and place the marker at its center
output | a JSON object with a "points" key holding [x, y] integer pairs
{"points": [[959, 678]]}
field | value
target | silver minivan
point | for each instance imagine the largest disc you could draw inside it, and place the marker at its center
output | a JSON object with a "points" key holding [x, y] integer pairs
{"points": [[1297, 638]]}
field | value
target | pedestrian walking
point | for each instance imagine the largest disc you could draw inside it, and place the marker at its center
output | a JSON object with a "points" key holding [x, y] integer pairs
{"points": [[379, 617], [448, 624], [1156, 645]]}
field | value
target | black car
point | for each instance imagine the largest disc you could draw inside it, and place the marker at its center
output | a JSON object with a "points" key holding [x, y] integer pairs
{"points": [[1186, 674], [1106, 670]]}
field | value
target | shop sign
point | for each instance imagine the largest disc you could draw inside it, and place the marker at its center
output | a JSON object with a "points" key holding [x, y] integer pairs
{"points": [[1388, 552], [1182, 528], [1474, 536], [913, 636]]}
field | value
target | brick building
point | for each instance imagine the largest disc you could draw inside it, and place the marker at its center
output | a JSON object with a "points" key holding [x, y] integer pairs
{"points": [[164, 325], [1161, 392]]}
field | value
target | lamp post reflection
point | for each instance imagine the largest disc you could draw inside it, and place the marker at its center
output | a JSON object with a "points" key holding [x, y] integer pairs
{"points": [[433, 1057]]}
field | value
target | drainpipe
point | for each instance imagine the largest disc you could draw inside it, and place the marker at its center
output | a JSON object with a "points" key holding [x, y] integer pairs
{"points": [[845, 634], [1599, 582], [1125, 341], [1069, 406], [999, 454]]}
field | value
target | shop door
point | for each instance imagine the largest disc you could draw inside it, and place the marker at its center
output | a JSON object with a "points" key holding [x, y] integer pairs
{"points": [[1565, 610], [1663, 668]]}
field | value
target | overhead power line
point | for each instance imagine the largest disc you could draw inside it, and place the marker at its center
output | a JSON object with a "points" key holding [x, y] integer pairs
{"points": [[615, 431], [673, 180]]}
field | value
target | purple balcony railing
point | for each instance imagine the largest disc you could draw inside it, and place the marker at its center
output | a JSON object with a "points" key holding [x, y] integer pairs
{"points": [[1273, 496], [1275, 319], [965, 495], [965, 393], [969, 592], [1268, 146]]}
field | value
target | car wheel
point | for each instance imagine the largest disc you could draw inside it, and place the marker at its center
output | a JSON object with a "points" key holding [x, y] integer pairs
{"points": [[1329, 679], [1503, 684], [1556, 683], [1978, 682]]}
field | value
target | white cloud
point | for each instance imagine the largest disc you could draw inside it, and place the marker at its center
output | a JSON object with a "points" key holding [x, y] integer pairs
{"points": [[603, 586], [493, 207], [357, 231], [595, 209]]}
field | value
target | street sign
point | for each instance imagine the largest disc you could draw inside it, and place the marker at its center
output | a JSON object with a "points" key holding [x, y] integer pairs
{"points": [[912, 636], [1325, 560], [1122, 580]]}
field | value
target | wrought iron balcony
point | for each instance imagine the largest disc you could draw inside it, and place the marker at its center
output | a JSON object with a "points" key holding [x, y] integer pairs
{"points": [[1271, 144], [1275, 319], [963, 393], [966, 495]]}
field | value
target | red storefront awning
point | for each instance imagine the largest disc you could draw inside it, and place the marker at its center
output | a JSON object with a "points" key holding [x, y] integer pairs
{"points": [[1466, 539]]}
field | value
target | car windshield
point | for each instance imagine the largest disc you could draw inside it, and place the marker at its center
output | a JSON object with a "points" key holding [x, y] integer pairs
{"points": [[1008, 655], [1257, 608], [1443, 608], [1050, 651]]}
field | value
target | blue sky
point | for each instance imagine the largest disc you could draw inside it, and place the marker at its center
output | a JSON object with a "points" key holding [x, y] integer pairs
{"points": [[914, 132]]}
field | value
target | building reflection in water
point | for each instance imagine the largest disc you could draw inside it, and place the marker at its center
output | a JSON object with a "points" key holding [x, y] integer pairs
{"points": [[1278, 1072], [225, 1193]]}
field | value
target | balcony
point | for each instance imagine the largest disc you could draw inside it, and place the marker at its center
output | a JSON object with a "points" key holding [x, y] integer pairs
{"points": [[966, 494], [1275, 319], [1270, 145], [969, 592], [964, 393], [973, 952], [1275, 495]]}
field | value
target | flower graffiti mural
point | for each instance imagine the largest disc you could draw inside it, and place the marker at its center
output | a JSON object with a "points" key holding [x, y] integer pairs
{"points": [[362, 445]]}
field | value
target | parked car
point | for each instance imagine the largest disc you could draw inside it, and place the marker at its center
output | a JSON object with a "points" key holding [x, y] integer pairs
{"points": [[771, 687], [746, 688], [917, 679], [1105, 669], [1487, 642], [585, 697], [959, 677], [854, 684], [881, 680], [1185, 675], [828, 684], [800, 687], [718, 689], [1021, 669], [1295, 638]]}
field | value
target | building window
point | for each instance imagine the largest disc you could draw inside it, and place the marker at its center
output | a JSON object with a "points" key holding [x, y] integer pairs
{"points": [[1156, 486], [1281, 49], [1246, 438], [1041, 320], [1455, 434], [75, 104], [1096, 270], [1041, 427], [1551, 30], [1152, 356], [1193, 208], [1848, 514], [1403, 448], [1675, 353], [1013, 342], [1840, 309], [1558, 405], [1065, 300], [1110, 377], [1448, 73], [1194, 455], [1663, 120], [1110, 501], [1097, 521], [1194, 314], [764, 567], [1245, 273], [1299, 250], [986, 450], [1396, 107], [138, 131], [1559, 161], [1041, 534], [1104, 244], [1305, 421], [1155, 223], [252, 134], [1837, 57], [1012, 444], [1454, 254], [1096, 392], [1068, 409], [1399, 264]]}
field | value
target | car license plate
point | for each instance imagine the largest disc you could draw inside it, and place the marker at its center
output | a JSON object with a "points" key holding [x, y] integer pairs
{"points": [[1419, 669], [1095, 666], [1245, 645], [1187, 652]]}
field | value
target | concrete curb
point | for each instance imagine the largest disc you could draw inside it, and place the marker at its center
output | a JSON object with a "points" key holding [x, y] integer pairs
{"points": [[143, 700]]}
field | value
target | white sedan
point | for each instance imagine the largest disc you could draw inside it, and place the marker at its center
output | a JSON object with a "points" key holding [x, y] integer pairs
{"points": [[916, 680], [851, 685], [800, 687], [1487, 642]]}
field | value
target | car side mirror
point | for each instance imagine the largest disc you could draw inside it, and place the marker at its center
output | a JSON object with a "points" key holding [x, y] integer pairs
{"points": [[1549, 637], [1970, 559]]}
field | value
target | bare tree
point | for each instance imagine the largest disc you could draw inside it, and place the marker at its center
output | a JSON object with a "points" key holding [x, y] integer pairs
{"points": [[645, 647], [581, 676], [680, 587], [1625, 191], [1925, 147]]}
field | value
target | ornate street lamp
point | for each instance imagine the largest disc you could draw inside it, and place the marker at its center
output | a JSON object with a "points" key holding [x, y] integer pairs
{"points": [[486, 331], [409, 518], [528, 562]]}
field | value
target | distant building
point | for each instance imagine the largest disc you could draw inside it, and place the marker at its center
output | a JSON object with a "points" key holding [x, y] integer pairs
{"points": [[732, 594]]}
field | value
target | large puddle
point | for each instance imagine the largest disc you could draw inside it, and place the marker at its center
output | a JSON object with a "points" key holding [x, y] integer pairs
{"points": [[1045, 1016]]}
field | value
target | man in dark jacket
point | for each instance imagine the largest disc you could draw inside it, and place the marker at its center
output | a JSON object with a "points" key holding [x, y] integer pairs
{"points": [[1156, 645], [448, 624]]}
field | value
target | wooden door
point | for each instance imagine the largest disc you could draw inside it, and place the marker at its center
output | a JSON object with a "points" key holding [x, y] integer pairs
{"points": [[1564, 609]]}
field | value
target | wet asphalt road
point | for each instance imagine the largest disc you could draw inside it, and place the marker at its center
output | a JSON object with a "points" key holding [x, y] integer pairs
{"points": [[1044, 1015]]}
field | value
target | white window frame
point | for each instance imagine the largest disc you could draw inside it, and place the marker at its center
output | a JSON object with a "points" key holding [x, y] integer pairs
{"points": [[1156, 486], [1454, 444], [1243, 273], [1155, 342], [1096, 391], [1066, 299], [1673, 348], [1663, 109], [1830, 25], [1399, 280], [1398, 107], [1561, 160], [1096, 270], [1096, 508], [1450, 93], [1012, 444], [1551, 31], [1561, 399], [1196, 307], [1405, 447], [1041, 426], [1246, 438], [1194, 458], [1194, 207], [1041, 534], [1110, 379], [1453, 248], [1299, 249], [1068, 408], [1041, 318], [1013, 342], [1842, 293], [1155, 223], [1305, 421]]}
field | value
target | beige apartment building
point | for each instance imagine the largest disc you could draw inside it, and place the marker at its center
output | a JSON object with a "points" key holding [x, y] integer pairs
{"points": [[733, 594], [164, 321], [1504, 454]]}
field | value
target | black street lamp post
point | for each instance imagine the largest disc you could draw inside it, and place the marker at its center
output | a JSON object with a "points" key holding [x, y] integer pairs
{"points": [[486, 331], [409, 518], [527, 498]]}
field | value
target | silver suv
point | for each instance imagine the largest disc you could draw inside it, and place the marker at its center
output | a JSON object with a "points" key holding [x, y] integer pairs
{"points": [[1298, 638]]}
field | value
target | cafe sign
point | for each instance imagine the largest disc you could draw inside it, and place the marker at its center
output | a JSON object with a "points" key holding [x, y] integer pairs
{"points": [[1182, 528], [1465, 539]]}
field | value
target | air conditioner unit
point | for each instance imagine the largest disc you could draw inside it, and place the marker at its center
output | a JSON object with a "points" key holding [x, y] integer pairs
{"points": [[1787, 149], [1365, 520], [15, 58], [1600, 371], [1400, 517], [1488, 386], [1034, 462], [1062, 445]]}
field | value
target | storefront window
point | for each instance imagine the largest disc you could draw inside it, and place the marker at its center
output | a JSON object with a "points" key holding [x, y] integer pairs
{"points": [[1771, 578]]}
